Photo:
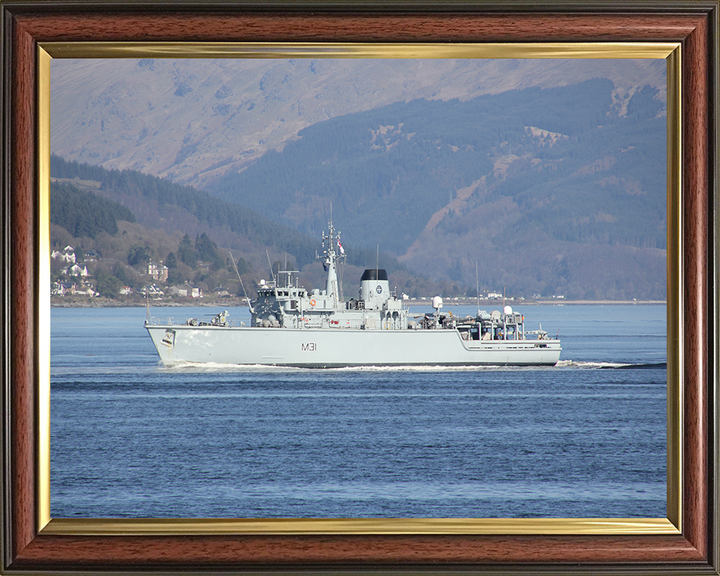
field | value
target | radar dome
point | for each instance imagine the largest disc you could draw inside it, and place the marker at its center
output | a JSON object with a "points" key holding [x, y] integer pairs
{"points": [[507, 309], [437, 302]]}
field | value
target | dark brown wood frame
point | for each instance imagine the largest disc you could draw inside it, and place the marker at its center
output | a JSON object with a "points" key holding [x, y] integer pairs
{"points": [[692, 23]]}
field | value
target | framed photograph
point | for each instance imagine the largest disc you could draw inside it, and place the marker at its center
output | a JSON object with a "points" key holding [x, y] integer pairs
{"points": [[684, 34]]}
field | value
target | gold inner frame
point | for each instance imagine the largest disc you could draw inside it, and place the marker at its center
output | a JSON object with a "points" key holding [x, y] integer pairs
{"points": [[669, 51]]}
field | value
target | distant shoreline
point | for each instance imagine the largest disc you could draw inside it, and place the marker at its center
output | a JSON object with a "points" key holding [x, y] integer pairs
{"points": [[219, 303], [535, 302]]}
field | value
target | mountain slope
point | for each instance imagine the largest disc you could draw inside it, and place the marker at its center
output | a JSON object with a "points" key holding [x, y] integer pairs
{"points": [[387, 171], [194, 120], [88, 198], [523, 180]]}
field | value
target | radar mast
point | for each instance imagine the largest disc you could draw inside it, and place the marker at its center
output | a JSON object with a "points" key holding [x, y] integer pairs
{"points": [[330, 259]]}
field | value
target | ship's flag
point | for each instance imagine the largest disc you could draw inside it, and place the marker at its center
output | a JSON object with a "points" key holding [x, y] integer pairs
{"points": [[342, 250]]}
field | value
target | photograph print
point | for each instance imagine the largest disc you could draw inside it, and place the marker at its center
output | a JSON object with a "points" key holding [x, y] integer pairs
{"points": [[359, 288]]}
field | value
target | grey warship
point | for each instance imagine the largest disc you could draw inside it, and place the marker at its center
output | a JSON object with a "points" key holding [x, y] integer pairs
{"points": [[294, 327]]}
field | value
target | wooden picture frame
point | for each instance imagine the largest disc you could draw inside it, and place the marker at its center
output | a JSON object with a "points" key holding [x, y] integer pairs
{"points": [[30, 544]]}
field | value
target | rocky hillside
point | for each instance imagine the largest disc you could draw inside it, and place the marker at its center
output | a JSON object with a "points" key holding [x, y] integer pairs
{"points": [[194, 120]]}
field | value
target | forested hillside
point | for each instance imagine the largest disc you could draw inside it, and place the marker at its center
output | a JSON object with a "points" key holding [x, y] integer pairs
{"points": [[83, 213], [162, 218], [163, 204]]}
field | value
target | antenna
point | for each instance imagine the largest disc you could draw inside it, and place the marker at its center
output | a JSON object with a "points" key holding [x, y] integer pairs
{"points": [[340, 268], [377, 263], [241, 282], [269, 264]]}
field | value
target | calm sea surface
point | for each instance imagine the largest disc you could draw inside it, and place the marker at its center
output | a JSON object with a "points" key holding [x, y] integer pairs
{"points": [[587, 438]]}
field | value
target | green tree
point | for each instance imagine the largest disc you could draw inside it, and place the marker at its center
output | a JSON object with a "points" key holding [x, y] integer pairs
{"points": [[243, 267], [207, 251], [108, 285], [138, 254], [186, 252], [120, 273], [174, 277], [171, 261]]}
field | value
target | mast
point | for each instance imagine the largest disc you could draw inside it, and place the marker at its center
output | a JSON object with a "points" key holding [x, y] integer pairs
{"points": [[477, 288], [329, 263]]}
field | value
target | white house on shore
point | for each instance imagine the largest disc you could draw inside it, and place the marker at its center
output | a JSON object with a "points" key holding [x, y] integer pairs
{"points": [[185, 290], [158, 272], [77, 270], [72, 289], [66, 255], [152, 290]]}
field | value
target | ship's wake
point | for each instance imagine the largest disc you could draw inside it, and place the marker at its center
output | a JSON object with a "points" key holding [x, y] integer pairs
{"points": [[219, 367], [224, 367], [562, 364], [609, 365]]}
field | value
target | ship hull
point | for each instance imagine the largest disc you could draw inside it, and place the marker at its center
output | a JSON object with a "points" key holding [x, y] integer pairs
{"points": [[338, 347]]}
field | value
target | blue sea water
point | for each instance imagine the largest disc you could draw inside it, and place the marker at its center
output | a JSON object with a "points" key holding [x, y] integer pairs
{"points": [[587, 438]]}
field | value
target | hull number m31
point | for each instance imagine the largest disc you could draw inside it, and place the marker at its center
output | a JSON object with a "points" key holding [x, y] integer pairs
{"points": [[309, 347]]}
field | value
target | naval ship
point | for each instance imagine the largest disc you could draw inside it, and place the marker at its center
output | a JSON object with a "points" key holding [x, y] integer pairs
{"points": [[294, 327]]}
